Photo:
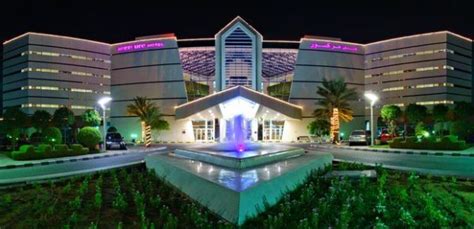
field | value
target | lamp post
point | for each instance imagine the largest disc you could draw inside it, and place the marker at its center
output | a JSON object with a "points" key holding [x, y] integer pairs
{"points": [[102, 102], [372, 98]]}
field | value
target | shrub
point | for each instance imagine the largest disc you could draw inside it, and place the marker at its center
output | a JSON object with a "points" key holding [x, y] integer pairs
{"points": [[26, 152], [78, 149], [52, 135], [445, 143], [89, 137], [45, 148], [61, 149]]}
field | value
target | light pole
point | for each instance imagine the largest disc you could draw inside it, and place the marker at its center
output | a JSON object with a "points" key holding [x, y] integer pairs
{"points": [[373, 98], [102, 102]]}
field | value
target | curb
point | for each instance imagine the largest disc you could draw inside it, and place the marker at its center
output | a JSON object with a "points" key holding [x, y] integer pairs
{"points": [[454, 154], [62, 160]]}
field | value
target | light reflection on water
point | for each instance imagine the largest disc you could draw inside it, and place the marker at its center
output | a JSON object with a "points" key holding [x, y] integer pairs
{"points": [[237, 180]]}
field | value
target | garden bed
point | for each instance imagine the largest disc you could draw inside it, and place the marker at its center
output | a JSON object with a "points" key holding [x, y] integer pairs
{"points": [[134, 198], [45, 151]]}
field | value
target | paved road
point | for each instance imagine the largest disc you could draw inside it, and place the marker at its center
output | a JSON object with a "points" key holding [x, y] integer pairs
{"points": [[52, 171], [461, 166]]}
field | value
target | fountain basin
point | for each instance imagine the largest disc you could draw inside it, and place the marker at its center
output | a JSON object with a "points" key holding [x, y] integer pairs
{"points": [[236, 194], [240, 160]]}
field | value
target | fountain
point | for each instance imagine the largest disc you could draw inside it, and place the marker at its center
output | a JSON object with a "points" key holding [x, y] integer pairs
{"points": [[237, 177]]}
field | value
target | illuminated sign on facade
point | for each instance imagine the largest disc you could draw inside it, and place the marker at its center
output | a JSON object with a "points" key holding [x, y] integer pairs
{"points": [[140, 46], [335, 47]]}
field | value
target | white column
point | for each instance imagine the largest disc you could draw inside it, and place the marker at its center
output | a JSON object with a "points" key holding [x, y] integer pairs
{"points": [[205, 130], [222, 129], [271, 130]]}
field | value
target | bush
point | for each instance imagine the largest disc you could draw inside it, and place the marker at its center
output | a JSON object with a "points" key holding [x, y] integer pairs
{"points": [[45, 148], [78, 149], [89, 137], [61, 149], [449, 142], [28, 152], [52, 135]]}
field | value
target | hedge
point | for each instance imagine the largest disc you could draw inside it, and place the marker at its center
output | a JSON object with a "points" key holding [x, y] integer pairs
{"points": [[449, 142], [44, 151]]}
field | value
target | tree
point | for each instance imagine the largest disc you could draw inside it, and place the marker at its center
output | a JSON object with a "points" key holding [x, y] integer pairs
{"points": [[149, 115], [63, 118], [89, 137], [415, 113], [40, 120], [334, 105], [319, 127], [52, 135], [390, 114], [440, 116], [91, 117], [15, 122]]}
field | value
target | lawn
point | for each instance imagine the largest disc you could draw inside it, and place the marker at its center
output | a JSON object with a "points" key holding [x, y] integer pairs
{"points": [[135, 198]]}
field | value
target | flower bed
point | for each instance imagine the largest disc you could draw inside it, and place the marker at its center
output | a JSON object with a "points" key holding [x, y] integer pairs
{"points": [[135, 198]]}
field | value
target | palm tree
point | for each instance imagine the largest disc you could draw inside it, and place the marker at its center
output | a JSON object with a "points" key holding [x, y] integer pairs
{"points": [[334, 105], [149, 115]]}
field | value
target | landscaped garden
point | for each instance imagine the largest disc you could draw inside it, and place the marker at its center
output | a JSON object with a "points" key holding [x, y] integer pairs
{"points": [[43, 135], [135, 198]]}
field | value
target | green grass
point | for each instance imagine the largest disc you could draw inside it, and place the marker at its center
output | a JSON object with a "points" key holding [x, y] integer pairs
{"points": [[135, 198]]}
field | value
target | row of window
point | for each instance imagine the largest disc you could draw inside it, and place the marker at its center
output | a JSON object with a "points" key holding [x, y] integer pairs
{"points": [[55, 106], [55, 54], [399, 88], [431, 68], [52, 88], [428, 52], [424, 103], [56, 71]]}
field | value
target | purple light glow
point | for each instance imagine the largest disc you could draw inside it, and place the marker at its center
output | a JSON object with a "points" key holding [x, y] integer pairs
{"points": [[331, 46], [140, 46]]}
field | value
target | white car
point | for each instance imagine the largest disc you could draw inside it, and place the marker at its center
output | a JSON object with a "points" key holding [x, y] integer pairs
{"points": [[359, 137]]}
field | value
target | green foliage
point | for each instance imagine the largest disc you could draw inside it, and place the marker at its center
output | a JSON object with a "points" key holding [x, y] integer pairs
{"points": [[318, 127], [335, 94], [280, 90], [78, 149], [15, 118], [43, 151], [63, 117], [394, 200], [52, 135], [415, 113], [89, 137], [40, 120], [421, 130], [445, 143], [461, 128], [91, 117], [462, 110], [439, 112], [112, 129], [390, 114]]}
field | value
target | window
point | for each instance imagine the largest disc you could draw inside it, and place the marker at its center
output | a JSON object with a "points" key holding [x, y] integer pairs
{"points": [[55, 54]]}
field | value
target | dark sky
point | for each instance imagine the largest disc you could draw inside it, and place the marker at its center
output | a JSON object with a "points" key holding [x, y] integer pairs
{"points": [[358, 21]]}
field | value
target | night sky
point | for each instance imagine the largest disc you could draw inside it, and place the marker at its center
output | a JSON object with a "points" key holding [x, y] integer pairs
{"points": [[359, 21]]}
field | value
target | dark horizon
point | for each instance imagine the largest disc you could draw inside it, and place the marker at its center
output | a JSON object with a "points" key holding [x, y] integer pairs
{"points": [[348, 21]]}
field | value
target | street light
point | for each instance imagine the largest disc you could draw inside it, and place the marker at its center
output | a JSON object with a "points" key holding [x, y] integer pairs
{"points": [[373, 98], [102, 102]]}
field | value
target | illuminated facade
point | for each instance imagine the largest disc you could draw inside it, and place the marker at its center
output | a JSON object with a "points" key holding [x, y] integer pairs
{"points": [[43, 71]]}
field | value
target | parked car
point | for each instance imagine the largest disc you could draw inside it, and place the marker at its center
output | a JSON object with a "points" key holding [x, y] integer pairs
{"points": [[385, 136], [115, 140], [359, 137]]}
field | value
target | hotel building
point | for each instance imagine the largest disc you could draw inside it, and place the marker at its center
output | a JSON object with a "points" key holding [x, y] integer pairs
{"points": [[199, 84]]}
